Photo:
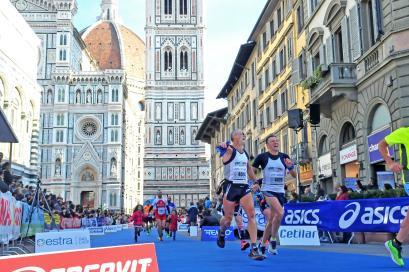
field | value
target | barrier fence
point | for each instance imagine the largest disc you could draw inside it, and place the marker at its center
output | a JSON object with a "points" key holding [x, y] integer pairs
{"points": [[15, 215]]}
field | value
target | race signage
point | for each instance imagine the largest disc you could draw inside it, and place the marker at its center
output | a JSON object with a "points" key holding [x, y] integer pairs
{"points": [[299, 236], [210, 233], [134, 258], [373, 149], [260, 219], [361, 215], [348, 154], [193, 231], [110, 229], [183, 227], [96, 231], [62, 240]]}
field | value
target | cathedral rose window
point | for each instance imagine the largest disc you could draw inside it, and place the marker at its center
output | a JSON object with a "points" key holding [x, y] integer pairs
{"points": [[89, 128]]}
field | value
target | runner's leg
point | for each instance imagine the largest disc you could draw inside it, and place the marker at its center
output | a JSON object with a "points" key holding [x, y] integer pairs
{"points": [[228, 209], [277, 213], [247, 204]]}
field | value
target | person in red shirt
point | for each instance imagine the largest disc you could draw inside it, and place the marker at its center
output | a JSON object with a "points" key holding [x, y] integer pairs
{"points": [[342, 193], [173, 223], [137, 219], [159, 206]]}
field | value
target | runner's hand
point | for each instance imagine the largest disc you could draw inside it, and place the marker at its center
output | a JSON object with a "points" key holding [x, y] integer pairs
{"points": [[288, 163], [395, 167], [256, 187], [223, 145]]}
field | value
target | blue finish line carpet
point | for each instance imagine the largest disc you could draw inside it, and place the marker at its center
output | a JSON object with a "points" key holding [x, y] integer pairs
{"points": [[187, 254]]}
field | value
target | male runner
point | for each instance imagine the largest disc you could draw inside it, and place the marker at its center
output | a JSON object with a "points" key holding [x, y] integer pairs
{"points": [[274, 165], [401, 137], [159, 206], [237, 217], [148, 218], [170, 206], [236, 169]]}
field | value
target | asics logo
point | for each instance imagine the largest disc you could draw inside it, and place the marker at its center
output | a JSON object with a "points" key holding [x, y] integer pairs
{"points": [[351, 213]]}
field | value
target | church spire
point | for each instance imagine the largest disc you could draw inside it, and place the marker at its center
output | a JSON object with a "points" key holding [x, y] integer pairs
{"points": [[109, 10]]}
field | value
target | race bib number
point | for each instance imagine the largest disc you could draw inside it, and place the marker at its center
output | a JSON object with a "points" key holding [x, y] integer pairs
{"points": [[276, 176], [240, 171], [161, 211]]}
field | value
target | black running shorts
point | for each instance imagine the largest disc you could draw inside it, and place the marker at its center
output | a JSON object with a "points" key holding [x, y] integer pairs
{"points": [[235, 192], [280, 196]]}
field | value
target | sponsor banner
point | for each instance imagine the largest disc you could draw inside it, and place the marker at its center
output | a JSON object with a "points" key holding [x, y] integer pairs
{"points": [[37, 221], [125, 226], [110, 229], [210, 233], [134, 258], [183, 227], [89, 222], [299, 236], [96, 231], [350, 183], [193, 230], [363, 215], [373, 140], [119, 227], [386, 177], [10, 217], [348, 154], [62, 240], [260, 219], [324, 165]]}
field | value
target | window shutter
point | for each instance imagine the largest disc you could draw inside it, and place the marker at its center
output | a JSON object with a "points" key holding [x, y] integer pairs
{"points": [[329, 51], [278, 64], [354, 24], [322, 54], [295, 77], [275, 21], [375, 19], [279, 109], [268, 32], [345, 39], [309, 65]]}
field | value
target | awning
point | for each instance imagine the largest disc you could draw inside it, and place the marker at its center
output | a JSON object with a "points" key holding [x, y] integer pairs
{"points": [[210, 124], [6, 132]]}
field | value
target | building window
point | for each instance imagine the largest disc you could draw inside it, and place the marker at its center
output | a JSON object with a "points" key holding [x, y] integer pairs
{"points": [[284, 101], [313, 4], [168, 60], [302, 67], [115, 95], [60, 119], [59, 136], [253, 74], [338, 46], [290, 47], [267, 77], [264, 40], [114, 119], [347, 134], [272, 28], [275, 110], [61, 95], [323, 147], [268, 115], [183, 7], [273, 69], [316, 61], [63, 55], [282, 60], [279, 18], [168, 7], [184, 66], [63, 39], [114, 135], [300, 19], [260, 85]]}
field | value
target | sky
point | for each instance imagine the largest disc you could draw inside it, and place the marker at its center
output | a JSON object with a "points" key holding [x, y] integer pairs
{"points": [[229, 23]]}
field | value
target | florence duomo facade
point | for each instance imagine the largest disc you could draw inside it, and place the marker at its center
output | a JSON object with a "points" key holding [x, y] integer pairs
{"points": [[92, 119]]}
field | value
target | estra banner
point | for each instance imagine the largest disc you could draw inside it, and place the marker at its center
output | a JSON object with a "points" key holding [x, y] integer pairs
{"points": [[133, 258]]}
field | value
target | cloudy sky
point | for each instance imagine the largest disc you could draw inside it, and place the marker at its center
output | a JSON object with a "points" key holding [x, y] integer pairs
{"points": [[229, 23]]}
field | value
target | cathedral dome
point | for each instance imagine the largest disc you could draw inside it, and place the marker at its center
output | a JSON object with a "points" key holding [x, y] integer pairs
{"points": [[113, 45]]}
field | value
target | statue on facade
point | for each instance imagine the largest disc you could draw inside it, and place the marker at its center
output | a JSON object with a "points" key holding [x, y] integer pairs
{"points": [[158, 138], [78, 97], [99, 97], [113, 168], [89, 97]]}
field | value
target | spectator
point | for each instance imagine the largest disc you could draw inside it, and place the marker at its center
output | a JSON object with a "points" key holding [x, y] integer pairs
{"points": [[208, 203], [373, 185], [359, 187], [387, 187], [215, 213], [193, 212], [7, 176], [342, 193], [1, 157], [307, 192], [209, 220], [294, 198], [320, 195], [3, 186]]}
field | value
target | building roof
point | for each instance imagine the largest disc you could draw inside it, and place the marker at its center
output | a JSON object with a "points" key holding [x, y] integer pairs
{"points": [[211, 124], [238, 66], [115, 46]]}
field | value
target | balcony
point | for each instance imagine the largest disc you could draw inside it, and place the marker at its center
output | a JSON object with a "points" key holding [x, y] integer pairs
{"points": [[331, 83]]}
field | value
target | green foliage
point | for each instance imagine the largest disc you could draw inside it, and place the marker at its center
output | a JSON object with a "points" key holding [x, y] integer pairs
{"points": [[305, 198], [313, 80]]}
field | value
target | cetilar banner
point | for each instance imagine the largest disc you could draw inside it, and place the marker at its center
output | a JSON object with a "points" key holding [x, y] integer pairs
{"points": [[363, 215]]}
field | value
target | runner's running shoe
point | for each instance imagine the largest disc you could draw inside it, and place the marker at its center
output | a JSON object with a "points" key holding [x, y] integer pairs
{"points": [[262, 250], [395, 252], [255, 255], [244, 245], [220, 240], [272, 248]]}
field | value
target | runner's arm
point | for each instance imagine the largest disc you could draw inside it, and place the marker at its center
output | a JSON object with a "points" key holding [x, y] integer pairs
{"points": [[227, 156], [383, 149], [250, 172]]}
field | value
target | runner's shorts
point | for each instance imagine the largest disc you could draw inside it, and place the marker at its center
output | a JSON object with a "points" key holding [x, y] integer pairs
{"points": [[235, 192], [280, 196]]}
